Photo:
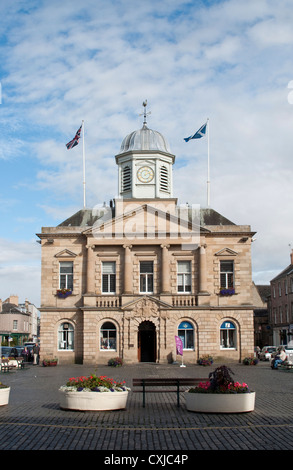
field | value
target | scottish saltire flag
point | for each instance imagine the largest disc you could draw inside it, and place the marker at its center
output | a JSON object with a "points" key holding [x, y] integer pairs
{"points": [[75, 140], [179, 345], [199, 134]]}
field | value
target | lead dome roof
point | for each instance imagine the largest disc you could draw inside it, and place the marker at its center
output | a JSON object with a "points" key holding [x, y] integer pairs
{"points": [[144, 139]]}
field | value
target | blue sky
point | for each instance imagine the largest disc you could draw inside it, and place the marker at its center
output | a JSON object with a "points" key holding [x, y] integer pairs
{"points": [[97, 61]]}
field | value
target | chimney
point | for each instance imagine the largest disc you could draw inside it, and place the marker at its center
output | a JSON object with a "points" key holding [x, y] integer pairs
{"points": [[13, 299]]}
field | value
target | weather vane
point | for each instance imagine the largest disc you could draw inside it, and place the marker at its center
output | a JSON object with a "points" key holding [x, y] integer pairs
{"points": [[145, 114]]}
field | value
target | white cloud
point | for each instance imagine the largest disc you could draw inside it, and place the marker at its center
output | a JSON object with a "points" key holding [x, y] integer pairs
{"points": [[226, 60]]}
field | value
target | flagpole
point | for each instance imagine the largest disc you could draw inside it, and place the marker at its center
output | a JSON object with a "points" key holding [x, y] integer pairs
{"points": [[208, 180], [83, 159]]}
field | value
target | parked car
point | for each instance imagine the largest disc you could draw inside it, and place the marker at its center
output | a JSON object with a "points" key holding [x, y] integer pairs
{"points": [[7, 351], [288, 350], [266, 352], [19, 350]]}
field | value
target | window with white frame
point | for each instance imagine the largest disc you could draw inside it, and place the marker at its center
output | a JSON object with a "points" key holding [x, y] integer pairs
{"points": [[109, 277], [66, 275], [146, 273], [108, 336], [15, 324], [227, 274], [227, 335], [66, 337], [186, 334], [184, 276]]}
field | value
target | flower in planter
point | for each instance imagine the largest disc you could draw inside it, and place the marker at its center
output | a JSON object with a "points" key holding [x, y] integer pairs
{"points": [[220, 381], [116, 362], [3, 385], [94, 383], [227, 291], [250, 361], [50, 362], [205, 360], [63, 293]]}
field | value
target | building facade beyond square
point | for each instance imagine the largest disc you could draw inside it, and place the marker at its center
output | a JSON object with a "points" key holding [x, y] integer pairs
{"points": [[281, 306], [124, 280]]}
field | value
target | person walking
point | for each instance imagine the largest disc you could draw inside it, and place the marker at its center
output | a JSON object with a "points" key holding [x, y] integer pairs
{"points": [[36, 352]]}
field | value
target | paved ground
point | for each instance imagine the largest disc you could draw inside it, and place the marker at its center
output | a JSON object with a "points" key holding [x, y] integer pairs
{"points": [[33, 419]]}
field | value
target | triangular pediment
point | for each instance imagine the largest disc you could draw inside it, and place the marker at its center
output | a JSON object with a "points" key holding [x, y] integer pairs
{"points": [[146, 222], [146, 301], [65, 254], [226, 252]]}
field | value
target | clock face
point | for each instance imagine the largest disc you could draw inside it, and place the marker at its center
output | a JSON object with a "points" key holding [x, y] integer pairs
{"points": [[145, 174]]}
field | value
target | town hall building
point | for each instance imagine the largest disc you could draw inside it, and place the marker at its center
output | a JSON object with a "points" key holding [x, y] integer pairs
{"points": [[124, 280]]}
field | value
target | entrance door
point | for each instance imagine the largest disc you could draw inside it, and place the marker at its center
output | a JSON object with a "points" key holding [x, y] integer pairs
{"points": [[147, 342]]}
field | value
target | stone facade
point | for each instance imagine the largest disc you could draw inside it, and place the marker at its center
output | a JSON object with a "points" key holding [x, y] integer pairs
{"points": [[281, 306], [143, 271]]}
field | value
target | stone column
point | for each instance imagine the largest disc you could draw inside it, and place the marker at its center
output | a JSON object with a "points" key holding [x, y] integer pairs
{"points": [[128, 281], [90, 270], [165, 270], [202, 269]]}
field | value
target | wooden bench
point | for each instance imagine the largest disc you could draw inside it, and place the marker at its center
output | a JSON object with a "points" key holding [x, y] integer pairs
{"points": [[5, 367], [177, 384], [20, 363]]}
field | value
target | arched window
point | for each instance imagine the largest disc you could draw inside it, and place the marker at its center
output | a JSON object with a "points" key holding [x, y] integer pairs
{"points": [[186, 334], [108, 336], [66, 337], [228, 335], [126, 178]]}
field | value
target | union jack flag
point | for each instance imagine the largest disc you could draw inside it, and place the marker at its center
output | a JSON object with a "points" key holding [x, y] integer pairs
{"points": [[75, 140]]}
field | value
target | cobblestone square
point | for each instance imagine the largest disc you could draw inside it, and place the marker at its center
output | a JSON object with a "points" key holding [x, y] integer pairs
{"points": [[33, 419]]}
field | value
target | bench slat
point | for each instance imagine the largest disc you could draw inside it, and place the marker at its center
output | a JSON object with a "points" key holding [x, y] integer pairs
{"points": [[163, 382]]}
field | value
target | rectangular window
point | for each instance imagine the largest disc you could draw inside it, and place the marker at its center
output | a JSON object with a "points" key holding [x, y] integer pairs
{"points": [[227, 274], [66, 275], [146, 276], [109, 277], [184, 276], [15, 324]]}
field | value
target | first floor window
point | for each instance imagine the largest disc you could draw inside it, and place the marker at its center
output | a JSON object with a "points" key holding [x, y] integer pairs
{"points": [[227, 274], [66, 336], [147, 276], [15, 324], [228, 335], [108, 336], [66, 275], [109, 277], [186, 334], [184, 276]]}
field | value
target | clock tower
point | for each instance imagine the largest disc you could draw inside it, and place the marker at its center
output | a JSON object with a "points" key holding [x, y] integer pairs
{"points": [[145, 165]]}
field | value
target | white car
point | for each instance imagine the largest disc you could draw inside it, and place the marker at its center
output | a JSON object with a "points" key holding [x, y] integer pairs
{"points": [[288, 351], [266, 352]]}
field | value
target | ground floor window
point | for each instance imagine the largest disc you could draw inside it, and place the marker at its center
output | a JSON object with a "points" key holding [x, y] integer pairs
{"points": [[108, 336], [228, 335], [186, 334], [66, 336]]}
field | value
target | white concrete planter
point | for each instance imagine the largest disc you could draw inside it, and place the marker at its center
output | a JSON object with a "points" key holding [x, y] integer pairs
{"points": [[4, 396], [220, 402], [93, 401]]}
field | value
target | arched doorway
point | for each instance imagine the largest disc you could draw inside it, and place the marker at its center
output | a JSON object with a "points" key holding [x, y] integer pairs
{"points": [[147, 342]]}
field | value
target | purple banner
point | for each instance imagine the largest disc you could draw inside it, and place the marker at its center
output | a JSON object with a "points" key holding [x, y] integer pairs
{"points": [[179, 345]]}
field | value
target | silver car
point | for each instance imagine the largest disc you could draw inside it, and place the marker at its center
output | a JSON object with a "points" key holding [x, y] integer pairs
{"points": [[266, 352]]}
